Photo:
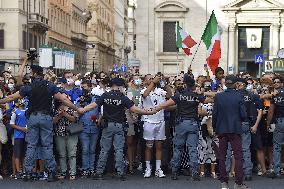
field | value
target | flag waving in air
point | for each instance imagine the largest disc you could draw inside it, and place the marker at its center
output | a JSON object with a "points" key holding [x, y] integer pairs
{"points": [[183, 40], [212, 39]]}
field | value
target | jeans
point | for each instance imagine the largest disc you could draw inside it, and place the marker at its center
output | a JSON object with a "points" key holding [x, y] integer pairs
{"points": [[246, 142], [186, 132], [88, 143], [278, 140], [236, 143], [112, 134], [67, 144], [40, 131]]}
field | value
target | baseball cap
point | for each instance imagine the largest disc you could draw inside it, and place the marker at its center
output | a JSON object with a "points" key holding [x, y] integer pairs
{"points": [[231, 79], [37, 68], [117, 81]]}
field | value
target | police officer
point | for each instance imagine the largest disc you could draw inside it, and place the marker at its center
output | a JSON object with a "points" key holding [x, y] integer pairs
{"points": [[114, 103], [40, 128], [186, 131], [250, 124], [228, 113], [276, 109]]}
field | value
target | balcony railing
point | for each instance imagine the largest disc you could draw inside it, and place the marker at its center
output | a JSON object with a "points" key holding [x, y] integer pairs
{"points": [[35, 18]]}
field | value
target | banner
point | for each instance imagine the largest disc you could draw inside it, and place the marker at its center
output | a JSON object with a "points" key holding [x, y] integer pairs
{"points": [[45, 57], [254, 38]]}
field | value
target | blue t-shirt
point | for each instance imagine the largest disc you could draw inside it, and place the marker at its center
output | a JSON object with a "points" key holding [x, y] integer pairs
{"points": [[74, 93], [20, 121]]}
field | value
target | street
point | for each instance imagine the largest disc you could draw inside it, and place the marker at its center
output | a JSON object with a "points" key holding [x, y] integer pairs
{"points": [[138, 182]]}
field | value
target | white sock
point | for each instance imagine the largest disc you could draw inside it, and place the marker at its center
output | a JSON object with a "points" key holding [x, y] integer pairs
{"points": [[148, 165], [158, 164]]}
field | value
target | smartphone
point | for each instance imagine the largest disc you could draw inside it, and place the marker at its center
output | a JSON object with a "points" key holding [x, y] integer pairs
{"points": [[205, 65]]}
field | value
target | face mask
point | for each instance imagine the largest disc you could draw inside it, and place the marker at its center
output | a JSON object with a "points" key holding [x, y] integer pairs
{"points": [[224, 87], [137, 82], [162, 84], [11, 86], [94, 81], [70, 81], [249, 87], [77, 83], [58, 86]]}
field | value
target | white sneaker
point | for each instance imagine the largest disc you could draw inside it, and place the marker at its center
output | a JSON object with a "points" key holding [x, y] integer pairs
{"points": [[159, 173], [140, 167], [147, 173], [224, 185], [1, 178]]}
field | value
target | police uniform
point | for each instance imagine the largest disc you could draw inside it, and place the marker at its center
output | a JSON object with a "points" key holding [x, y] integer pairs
{"points": [[278, 134], [40, 126], [187, 127], [114, 104]]}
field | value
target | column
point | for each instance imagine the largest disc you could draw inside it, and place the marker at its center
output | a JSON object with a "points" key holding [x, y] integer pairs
{"points": [[232, 64], [275, 29]]}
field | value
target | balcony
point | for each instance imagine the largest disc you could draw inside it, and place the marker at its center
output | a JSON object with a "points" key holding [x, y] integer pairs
{"points": [[38, 21], [79, 36]]}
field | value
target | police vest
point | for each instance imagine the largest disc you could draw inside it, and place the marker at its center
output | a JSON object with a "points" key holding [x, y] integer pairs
{"points": [[187, 105], [40, 99]]}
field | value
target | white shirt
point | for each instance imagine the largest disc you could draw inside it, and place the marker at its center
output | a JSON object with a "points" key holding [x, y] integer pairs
{"points": [[155, 98]]}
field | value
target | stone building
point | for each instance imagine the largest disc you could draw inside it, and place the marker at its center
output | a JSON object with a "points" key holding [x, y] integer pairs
{"points": [[80, 18], [18, 32], [121, 31], [100, 33], [156, 20], [60, 23]]}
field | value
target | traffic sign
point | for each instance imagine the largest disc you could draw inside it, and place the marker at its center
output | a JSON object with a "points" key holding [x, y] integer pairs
{"points": [[123, 68], [259, 59]]}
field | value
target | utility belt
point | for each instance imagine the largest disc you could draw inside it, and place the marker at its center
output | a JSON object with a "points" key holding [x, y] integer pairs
{"points": [[181, 119], [105, 123], [44, 112]]}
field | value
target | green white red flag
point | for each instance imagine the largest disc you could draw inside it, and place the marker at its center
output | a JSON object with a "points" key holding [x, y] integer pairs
{"points": [[212, 39], [183, 40]]}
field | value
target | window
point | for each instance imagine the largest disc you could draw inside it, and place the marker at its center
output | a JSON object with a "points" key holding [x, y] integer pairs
{"points": [[24, 4], [30, 40], [24, 37], [169, 38], [35, 41], [1, 39]]}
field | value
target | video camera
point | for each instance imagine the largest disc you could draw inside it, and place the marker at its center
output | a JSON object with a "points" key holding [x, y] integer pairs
{"points": [[32, 54]]}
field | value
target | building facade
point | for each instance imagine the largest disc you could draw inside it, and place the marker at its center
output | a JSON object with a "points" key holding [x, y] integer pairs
{"points": [[23, 25], [80, 18], [60, 24], [121, 31], [155, 40], [100, 31]]}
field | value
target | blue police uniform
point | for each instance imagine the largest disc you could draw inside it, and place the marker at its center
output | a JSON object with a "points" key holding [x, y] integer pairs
{"points": [[89, 138], [278, 134], [186, 131], [40, 125], [114, 104]]}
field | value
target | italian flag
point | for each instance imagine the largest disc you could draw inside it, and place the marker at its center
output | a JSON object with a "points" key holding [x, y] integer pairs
{"points": [[183, 40], [212, 39]]}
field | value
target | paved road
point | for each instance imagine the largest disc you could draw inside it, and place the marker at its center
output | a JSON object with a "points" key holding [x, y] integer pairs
{"points": [[138, 182]]}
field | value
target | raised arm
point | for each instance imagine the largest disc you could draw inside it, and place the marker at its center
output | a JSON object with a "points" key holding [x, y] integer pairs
{"points": [[10, 98]]}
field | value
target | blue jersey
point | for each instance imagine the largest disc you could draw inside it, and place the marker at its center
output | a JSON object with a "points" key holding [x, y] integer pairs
{"points": [[20, 121], [74, 94]]}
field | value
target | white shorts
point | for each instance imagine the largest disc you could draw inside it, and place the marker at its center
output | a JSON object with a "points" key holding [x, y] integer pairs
{"points": [[154, 131]]}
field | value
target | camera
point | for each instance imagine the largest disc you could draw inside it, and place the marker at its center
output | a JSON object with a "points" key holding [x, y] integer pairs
{"points": [[32, 54]]}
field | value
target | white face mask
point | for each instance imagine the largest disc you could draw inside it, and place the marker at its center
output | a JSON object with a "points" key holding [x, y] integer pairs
{"points": [[70, 81], [94, 81], [224, 87], [249, 87], [78, 83], [11, 86], [58, 86]]}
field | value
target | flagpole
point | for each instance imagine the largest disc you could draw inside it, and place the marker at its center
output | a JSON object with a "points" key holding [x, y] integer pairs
{"points": [[195, 53], [177, 49]]}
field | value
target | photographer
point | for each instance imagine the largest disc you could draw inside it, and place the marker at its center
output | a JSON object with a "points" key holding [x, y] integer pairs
{"points": [[89, 136]]}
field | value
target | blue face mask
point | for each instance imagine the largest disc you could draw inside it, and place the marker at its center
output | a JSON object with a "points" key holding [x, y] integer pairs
{"points": [[137, 82]]}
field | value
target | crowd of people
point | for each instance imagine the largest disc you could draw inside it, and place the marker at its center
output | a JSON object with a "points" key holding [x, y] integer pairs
{"points": [[67, 125]]}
